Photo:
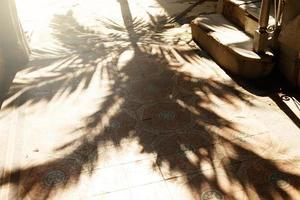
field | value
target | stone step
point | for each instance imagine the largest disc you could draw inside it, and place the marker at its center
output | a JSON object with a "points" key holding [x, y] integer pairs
{"points": [[230, 47], [245, 14]]}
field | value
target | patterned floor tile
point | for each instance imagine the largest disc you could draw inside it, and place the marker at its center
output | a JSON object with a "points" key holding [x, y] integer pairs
{"points": [[153, 89], [47, 182], [164, 117]]}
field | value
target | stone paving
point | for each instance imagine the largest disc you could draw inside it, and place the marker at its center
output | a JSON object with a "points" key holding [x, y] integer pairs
{"points": [[117, 102]]}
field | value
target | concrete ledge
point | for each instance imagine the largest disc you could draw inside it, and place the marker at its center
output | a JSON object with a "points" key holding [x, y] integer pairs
{"points": [[230, 47], [244, 13]]}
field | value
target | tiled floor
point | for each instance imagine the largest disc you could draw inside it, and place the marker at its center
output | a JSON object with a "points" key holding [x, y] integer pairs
{"points": [[117, 102]]}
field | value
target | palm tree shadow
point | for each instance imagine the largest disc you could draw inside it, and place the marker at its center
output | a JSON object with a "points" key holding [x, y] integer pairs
{"points": [[170, 113]]}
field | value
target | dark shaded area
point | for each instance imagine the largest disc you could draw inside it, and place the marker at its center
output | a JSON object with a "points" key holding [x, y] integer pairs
{"points": [[5, 83], [164, 122], [288, 96], [278, 89]]}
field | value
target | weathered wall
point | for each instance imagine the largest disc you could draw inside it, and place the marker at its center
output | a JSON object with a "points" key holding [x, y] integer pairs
{"points": [[14, 51], [1, 68], [289, 42], [292, 8]]}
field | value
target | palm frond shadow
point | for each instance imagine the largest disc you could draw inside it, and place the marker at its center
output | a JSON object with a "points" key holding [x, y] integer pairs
{"points": [[166, 110]]}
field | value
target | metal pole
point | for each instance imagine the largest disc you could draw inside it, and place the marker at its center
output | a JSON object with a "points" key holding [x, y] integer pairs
{"points": [[261, 35], [264, 13]]}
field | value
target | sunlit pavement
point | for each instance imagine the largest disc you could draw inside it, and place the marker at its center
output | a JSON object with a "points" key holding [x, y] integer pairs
{"points": [[117, 102]]}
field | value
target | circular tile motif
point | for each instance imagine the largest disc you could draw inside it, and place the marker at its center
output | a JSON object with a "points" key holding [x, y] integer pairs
{"points": [[212, 195], [45, 180], [52, 174], [54, 177], [167, 115], [114, 125]]}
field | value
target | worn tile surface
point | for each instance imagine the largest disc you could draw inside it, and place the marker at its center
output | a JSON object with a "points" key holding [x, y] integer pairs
{"points": [[117, 102]]}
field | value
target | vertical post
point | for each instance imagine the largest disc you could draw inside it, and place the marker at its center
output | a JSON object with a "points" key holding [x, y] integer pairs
{"points": [[261, 34], [278, 22], [220, 6]]}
